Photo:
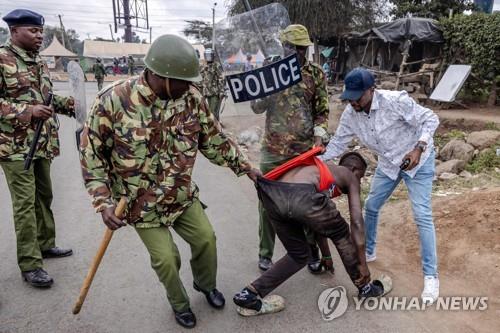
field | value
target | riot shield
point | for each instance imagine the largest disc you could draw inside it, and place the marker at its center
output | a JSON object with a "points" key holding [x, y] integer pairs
{"points": [[267, 109], [76, 82]]}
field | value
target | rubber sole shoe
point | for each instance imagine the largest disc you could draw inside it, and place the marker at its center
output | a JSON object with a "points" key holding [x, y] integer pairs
{"points": [[371, 257], [270, 304], [265, 263], [38, 278], [186, 319], [431, 290]]}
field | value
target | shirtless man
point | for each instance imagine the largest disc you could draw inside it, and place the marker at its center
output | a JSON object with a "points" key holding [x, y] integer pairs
{"points": [[301, 197]]}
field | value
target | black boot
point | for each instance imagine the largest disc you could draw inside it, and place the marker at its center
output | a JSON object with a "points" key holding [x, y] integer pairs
{"points": [[214, 297], [265, 263], [185, 318], [56, 252], [38, 278], [248, 299]]}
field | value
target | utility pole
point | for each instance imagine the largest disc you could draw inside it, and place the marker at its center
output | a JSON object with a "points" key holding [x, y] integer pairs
{"points": [[213, 27], [128, 25], [150, 34], [111, 32], [62, 31]]}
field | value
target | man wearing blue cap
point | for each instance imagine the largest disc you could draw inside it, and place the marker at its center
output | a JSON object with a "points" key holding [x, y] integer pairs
{"points": [[25, 87], [399, 131]]}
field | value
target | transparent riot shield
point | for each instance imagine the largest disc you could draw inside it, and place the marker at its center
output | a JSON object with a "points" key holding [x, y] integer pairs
{"points": [[268, 109], [76, 81]]}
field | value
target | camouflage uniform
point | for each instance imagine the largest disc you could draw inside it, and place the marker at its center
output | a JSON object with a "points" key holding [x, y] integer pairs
{"points": [[25, 81], [99, 74], [213, 86], [293, 118], [137, 145], [130, 64]]}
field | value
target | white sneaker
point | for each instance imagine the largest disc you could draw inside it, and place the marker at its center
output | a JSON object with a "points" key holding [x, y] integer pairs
{"points": [[370, 257], [431, 290]]}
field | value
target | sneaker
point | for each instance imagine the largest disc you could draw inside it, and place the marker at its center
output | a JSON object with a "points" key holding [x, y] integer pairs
{"points": [[250, 304], [265, 263], [431, 289], [248, 299], [370, 257], [370, 290]]}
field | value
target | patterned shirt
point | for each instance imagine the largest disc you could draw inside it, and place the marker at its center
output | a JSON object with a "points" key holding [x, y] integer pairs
{"points": [[391, 129], [25, 81], [137, 145]]}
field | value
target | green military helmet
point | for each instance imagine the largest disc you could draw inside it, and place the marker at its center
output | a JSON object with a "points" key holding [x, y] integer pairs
{"points": [[173, 57], [296, 34]]}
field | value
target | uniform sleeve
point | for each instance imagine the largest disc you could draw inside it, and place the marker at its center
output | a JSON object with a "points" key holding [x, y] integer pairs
{"points": [[418, 116], [64, 105], [321, 109], [220, 80], [216, 146], [95, 150], [343, 135], [12, 112]]}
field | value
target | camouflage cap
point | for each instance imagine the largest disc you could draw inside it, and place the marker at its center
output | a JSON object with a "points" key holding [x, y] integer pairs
{"points": [[296, 34]]}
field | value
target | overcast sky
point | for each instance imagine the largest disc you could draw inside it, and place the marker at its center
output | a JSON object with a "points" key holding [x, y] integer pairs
{"points": [[91, 18]]}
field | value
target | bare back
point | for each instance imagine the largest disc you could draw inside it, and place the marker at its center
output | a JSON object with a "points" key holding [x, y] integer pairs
{"points": [[310, 175]]}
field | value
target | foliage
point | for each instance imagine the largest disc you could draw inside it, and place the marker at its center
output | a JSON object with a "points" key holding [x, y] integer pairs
{"points": [[475, 40], [492, 126], [135, 38], [71, 38], [200, 30], [486, 160], [435, 9], [325, 18], [443, 139], [4, 35]]}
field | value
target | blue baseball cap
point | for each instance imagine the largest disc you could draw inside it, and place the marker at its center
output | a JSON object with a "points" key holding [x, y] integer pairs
{"points": [[356, 83], [23, 17]]}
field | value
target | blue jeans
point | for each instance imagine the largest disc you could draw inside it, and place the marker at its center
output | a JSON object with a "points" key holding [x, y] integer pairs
{"points": [[419, 192]]}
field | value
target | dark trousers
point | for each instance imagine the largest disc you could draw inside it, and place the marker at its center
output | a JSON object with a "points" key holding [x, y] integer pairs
{"points": [[290, 207]]}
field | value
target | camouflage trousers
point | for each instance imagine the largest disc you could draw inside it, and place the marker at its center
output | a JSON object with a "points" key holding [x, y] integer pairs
{"points": [[100, 81], [31, 193], [193, 226], [214, 105]]}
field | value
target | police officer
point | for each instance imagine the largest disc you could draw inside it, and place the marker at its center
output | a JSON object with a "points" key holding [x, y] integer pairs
{"points": [[147, 154], [99, 73], [130, 65], [24, 88], [303, 108], [213, 83]]}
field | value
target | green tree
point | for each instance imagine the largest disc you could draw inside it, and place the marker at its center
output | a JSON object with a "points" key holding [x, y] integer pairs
{"points": [[135, 38], [435, 9], [4, 35], [200, 30], [71, 38], [326, 18], [475, 40]]}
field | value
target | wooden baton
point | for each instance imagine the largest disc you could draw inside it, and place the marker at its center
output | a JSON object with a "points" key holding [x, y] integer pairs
{"points": [[97, 259]]}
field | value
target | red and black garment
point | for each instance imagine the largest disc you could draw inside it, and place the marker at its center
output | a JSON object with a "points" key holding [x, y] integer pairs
{"points": [[326, 178]]}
